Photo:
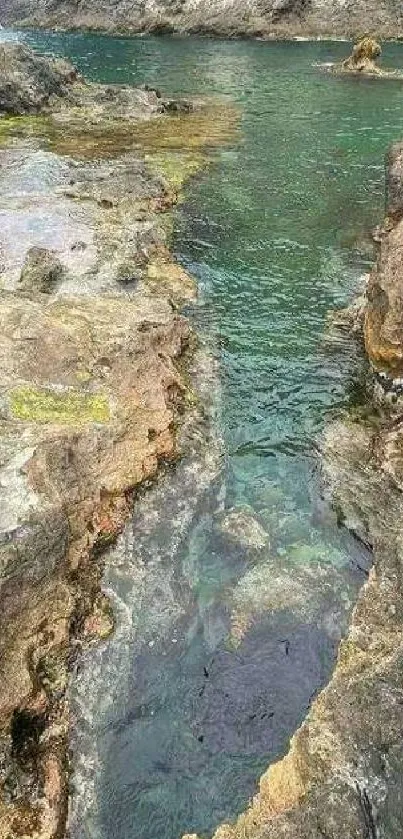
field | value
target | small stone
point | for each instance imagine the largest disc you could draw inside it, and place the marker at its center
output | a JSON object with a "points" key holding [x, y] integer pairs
{"points": [[41, 272]]}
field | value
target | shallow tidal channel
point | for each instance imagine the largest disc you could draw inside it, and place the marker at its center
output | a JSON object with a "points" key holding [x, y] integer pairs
{"points": [[233, 584]]}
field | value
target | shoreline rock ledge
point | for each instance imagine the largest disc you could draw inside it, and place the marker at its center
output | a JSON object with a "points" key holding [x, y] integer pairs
{"points": [[230, 18], [343, 774], [93, 386]]}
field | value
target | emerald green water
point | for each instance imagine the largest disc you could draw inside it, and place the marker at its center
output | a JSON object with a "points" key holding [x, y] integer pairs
{"points": [[179, 715], [278, 230]]}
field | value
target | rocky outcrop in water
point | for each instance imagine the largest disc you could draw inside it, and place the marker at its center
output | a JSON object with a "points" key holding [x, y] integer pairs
{"points": [[92, 389], [362, 61], [261, 18], [31, 83], [343, 774]]}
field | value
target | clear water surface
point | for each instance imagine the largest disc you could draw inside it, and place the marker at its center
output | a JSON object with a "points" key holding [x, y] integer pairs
{"points": [[179, 715]]}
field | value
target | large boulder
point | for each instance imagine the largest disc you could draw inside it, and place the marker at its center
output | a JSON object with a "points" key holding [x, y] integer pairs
{"points": [[363, 57], [29, 82]]}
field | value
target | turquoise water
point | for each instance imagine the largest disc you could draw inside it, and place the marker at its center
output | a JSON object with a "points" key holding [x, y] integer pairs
{"points": [[234, 640]]}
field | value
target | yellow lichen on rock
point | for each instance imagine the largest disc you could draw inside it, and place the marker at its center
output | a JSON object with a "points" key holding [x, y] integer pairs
{"points": [[367, 49], [68, 407], [176, 167]]}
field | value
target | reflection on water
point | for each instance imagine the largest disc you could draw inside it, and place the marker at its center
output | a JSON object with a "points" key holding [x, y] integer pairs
{"points": [[234, 584]]}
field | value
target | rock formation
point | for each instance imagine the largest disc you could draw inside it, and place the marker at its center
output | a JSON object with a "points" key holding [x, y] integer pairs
{"points": [[342, 776], [261, 18], [92, 385], [29, 82], [362, 61]]}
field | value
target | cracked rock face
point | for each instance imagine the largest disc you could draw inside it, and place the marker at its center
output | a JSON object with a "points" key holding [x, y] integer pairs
{"points": [[383, 321]]}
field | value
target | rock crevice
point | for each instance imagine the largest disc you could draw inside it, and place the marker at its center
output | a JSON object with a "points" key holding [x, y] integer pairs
{"points": [[343, 773]]}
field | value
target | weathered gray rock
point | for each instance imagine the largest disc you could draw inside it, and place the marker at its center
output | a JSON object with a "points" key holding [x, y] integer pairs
{"points": [[34, 83], [29, 82], [264, 18], [394, 181]]}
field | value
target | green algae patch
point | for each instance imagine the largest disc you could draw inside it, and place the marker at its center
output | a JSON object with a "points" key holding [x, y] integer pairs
{"points": [[175, 167], [23, 126], [68, 408]]}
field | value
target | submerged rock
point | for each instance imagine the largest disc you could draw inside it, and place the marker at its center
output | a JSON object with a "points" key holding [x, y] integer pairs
{"points": [[240, 527]]}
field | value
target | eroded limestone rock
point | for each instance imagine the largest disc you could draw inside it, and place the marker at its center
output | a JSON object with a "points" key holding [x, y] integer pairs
{"points": [[268, 19], [383, 320], [31, 83]]}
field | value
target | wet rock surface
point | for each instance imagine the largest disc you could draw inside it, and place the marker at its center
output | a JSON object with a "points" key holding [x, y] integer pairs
{"points": [[274, 18], [93, 386], [41, 272]]}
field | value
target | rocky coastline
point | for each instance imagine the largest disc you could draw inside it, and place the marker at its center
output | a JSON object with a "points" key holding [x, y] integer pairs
{"points": [[94, 386], [343, 773], [94, 379], [223, 18]]}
